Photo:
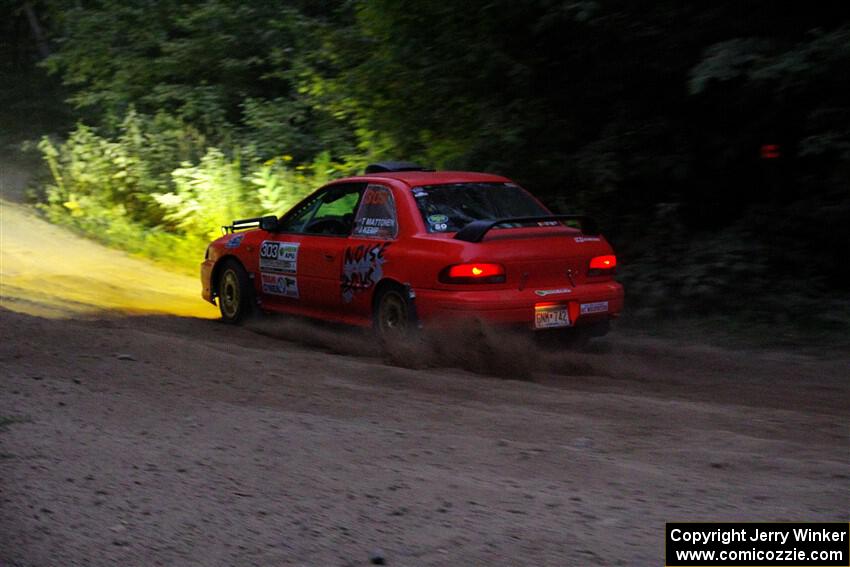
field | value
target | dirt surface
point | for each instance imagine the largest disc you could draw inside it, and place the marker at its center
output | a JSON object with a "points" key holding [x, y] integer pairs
{"points": [[167, 440], [49, 272]]}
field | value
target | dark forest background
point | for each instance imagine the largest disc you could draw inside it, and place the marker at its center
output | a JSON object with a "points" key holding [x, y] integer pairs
{"points": [[711, 140]]}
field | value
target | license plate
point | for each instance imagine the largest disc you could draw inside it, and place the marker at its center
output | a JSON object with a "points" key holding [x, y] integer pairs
{"points": [[548, 316], [595, 307]]}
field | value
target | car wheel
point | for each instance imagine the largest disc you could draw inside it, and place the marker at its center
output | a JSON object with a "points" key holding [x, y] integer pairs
{"points": [[392, 314], [235, 293]]}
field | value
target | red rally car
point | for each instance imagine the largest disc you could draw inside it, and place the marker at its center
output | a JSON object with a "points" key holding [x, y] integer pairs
{"points": [[402, 247]]}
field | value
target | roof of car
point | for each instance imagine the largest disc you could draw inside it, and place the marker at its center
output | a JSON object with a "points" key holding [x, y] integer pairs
{"points": [[417, 178]]}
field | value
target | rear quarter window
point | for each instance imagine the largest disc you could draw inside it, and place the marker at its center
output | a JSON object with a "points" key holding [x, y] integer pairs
{"points": [[376, 216]]}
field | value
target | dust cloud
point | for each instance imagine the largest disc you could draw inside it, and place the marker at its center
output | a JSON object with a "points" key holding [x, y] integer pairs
{"points": [[473, 346]]}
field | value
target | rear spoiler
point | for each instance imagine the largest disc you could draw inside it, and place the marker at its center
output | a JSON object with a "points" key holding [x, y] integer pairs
{"points": [[266, 223], [475, 231]]}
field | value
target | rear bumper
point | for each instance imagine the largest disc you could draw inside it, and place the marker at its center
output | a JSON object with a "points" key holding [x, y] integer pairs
{"points": [[516, 307]]}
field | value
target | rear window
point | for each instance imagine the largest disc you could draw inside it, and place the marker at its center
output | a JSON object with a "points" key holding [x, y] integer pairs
{"points": [[448, 208]]}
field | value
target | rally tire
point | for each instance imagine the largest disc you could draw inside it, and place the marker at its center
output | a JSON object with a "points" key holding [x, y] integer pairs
{"points": [[392, 316], [235, 293]]}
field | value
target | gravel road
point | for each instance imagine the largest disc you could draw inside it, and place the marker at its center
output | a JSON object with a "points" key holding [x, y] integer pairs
{"points": [[131, 438]]}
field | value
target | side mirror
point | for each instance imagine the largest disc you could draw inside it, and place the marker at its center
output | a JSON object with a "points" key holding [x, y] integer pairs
{"points": [[269, 223]]}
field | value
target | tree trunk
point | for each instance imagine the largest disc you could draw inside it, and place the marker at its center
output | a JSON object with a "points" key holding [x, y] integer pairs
{"points": [[37, 31]]}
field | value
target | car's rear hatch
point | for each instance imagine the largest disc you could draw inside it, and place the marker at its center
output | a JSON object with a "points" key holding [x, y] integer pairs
{"points": [[541, 257], [538, 257]]}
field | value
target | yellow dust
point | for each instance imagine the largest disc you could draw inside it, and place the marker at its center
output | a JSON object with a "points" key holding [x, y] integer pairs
{"points": [[50, 272]]}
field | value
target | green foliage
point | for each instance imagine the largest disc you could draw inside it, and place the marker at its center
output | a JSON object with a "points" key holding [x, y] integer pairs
{"points": [[235, 71], [125, 170], [118, 190], [205, 194]]}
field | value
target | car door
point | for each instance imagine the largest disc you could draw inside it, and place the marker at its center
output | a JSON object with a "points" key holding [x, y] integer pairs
{"points": [[368, 249], [300, 263]]}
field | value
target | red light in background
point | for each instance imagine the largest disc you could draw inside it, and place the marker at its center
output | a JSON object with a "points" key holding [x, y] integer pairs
{"points": [[770, 151]]}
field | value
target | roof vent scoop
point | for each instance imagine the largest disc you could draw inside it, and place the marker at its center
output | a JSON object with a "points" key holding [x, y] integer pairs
{"points": [[394, 166]]}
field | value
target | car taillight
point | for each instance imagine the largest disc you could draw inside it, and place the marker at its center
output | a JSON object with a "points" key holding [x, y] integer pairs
{"points": [[602, 265], [473, 273]]}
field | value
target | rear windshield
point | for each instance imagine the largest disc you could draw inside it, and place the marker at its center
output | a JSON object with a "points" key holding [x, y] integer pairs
{"points": [[448, 208]]}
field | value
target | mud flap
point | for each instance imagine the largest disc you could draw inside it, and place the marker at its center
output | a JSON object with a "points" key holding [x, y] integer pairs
{"points": [[412, 315]]}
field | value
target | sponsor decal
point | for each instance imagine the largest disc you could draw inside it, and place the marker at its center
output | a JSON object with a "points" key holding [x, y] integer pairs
{"points": [[379, 222], [548, 223], [279, 257], [595, 307], [581, 239], [362, 268], [439, 223], [376, 195], [375, 227], [278, 284], [545, 292], [234, 241]]}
